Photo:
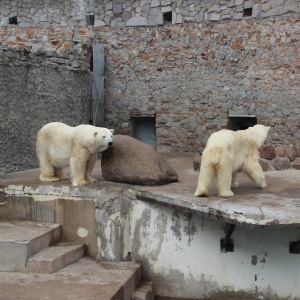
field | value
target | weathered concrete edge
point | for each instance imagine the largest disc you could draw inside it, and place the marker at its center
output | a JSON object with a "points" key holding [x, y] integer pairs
{"points": [[231, 217], [49, 192]]}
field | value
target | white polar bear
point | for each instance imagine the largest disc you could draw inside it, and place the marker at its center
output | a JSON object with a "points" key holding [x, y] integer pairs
{"points": [[228, 152], [59, 145]]}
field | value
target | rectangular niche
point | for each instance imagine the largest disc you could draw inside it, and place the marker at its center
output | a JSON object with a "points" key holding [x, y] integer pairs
{"points": [[143, 129], [241, 122]]}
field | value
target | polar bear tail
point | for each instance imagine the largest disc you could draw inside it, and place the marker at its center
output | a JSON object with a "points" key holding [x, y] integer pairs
{"points": [[215, 156]]}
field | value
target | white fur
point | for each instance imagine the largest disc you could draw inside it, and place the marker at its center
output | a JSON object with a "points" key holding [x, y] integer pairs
{"points": [[59, 145], [228, 152]]}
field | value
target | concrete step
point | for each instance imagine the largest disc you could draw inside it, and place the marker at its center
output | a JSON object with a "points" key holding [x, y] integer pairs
{"points": [[54, 258], [144, 291], [19, 240], [84, 279]]}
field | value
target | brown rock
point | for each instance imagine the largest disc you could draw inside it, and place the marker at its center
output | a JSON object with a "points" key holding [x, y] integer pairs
{"points": [[291, 152], [279, 151], [296, 163], [267, 151], [134, 162], [281, 163], [197, 162]]}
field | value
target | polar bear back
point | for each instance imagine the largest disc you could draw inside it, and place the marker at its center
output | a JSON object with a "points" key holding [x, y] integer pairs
{"points": [[235, 146]]}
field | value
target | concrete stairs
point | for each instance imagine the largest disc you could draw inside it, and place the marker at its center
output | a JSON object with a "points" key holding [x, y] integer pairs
{"points": [[35, 264]]}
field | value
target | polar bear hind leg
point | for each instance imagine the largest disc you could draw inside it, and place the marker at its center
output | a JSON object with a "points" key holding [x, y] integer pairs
{"points": [[205, 179], [47, 170], [224, 176], [233, 183]]}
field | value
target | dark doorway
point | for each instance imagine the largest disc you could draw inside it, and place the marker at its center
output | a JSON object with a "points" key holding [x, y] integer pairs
{"points": [[241, 122], [143, 129]]}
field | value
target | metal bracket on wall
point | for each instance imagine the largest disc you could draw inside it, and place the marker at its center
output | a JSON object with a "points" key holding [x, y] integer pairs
{"points": [[227, 243]]}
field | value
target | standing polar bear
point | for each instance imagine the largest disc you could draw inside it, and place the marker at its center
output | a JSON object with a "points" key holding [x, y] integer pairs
{"points": [[59, 145], [228, 152]]}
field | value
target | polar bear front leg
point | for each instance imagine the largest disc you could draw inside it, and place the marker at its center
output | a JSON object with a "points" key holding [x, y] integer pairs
{"points": [[255, 172], [59, 173], [77, 165], [89, 168]]}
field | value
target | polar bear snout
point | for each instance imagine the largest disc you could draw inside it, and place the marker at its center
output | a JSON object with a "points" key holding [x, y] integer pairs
{"points": [[110, 144]]}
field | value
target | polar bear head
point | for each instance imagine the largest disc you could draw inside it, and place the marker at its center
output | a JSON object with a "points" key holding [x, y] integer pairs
{"points": [[103, 138], [95, 139], [259, 133]]}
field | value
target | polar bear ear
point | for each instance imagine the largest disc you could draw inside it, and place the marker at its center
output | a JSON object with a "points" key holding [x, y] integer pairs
{"points": [[112, 131]]}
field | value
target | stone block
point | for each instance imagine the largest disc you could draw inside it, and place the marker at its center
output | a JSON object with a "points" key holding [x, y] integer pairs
{"points": [[155, 3], [137, 21], [214, 16], [152, 21]]}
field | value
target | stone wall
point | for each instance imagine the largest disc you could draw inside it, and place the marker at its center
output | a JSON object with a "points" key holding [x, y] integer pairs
{"points": [[192, 78], [120, 13], [209, 59], [30, 97]]}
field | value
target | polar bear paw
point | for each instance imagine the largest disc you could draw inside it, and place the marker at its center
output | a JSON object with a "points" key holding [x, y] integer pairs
{"points": [[226, 194], [201, 192], [91, 180], [235, 185], [79, 182], [63, 177], [48, 178]]}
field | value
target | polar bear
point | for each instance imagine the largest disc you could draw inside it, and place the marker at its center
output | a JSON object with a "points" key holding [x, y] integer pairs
{"points": [[228, 152], [59, 145]]}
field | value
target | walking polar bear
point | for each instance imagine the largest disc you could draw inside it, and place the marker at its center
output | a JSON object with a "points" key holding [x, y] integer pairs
{"points": [[228, 152], [59, 145]]}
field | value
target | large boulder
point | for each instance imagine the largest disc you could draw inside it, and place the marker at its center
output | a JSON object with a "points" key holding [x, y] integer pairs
{"points": [[132, 161]]}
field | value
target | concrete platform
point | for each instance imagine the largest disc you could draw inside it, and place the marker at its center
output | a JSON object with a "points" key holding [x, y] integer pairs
{"points": [[277, 205]]}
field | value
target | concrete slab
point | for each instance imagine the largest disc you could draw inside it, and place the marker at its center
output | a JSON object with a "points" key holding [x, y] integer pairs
{"points": [[21, 239], [277, 205], [52, 259], [85, 279]]}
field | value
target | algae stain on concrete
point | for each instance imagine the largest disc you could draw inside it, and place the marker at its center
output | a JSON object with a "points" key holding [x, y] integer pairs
{"points": [[176, 227]]}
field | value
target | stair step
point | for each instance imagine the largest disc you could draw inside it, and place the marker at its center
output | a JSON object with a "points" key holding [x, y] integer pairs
{"points": [[144, 291], [54, 258], [21, 239], [84, 279]]}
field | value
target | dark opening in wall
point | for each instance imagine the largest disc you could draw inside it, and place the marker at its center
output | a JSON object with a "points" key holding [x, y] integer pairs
{"points": [[90, 19], [248, 12], [167, 17], [143, 129], [241, 122], [294, 247], [13, 20]]}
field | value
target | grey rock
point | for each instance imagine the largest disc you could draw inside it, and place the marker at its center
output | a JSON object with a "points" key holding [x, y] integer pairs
{"points": [[134, 162]]}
